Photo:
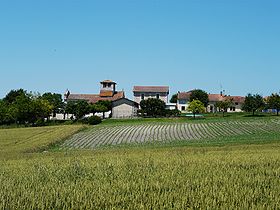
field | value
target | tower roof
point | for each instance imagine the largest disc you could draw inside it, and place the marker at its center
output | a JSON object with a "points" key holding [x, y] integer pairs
{"points": [[108, 81]]}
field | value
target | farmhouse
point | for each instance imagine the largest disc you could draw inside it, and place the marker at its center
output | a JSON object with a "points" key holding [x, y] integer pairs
{"points": [[124, 108], [107, 93], [184, 98], [144, 92]]}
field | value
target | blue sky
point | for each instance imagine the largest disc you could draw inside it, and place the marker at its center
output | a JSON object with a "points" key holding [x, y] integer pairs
{"points": [[52, 45]]}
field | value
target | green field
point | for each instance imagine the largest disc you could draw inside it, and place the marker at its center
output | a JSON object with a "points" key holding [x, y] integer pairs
{"points": [[240, 170]]}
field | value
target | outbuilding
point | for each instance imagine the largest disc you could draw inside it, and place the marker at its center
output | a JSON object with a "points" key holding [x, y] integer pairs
{"points": [[124, 108]]}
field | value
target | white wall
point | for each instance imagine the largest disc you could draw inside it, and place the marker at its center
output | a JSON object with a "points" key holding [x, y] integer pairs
{"points": [[124, 111]]}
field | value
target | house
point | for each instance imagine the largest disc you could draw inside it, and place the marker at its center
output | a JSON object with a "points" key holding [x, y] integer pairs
{"points": [[144, 92], [124, 108], [184, 98], [107, 93]]}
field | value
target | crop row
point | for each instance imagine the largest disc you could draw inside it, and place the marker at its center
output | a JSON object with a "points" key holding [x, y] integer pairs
{"points": [[112, 135]]}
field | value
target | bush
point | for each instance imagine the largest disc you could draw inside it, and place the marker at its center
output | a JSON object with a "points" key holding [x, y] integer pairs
{"points": [[94, 120], [40, 122]]}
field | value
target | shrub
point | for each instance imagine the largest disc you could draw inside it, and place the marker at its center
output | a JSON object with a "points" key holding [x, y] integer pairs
{"points": [[94, 120]]}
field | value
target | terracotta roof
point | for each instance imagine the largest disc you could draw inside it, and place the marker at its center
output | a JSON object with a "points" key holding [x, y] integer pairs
{"points": [[151, 89], [104, 93], [93, 98], [108, 81], [184, 95], [215, 97], [237, 99]]}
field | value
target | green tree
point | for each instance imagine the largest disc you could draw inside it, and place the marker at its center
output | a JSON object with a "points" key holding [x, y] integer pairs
{"points": [[174, 98], [153, 107], [78, 108], [274, 102], [200, 95], [196, 107], [13, 94], [55, 100], [70, 107], [3, 112], [253, 103], [39, 110], [101, 106], [97, 108], [224, 105]]}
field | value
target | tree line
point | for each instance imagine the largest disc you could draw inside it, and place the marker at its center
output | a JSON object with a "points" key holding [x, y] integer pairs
{"points": [[22, 107]]}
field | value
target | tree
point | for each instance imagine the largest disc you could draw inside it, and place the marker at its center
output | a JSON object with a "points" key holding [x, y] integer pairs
{"points": [[253, 103], [78, 108], [82, 108], [39, 110], [153, 107], [274, 102], [200, 95], [196, 107], [174, 98], [13, 94], [55, 100], [101, 106], [224, 105]]}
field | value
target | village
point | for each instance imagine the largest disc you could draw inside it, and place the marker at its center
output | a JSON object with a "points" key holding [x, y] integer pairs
{"points": [[123, 107]]}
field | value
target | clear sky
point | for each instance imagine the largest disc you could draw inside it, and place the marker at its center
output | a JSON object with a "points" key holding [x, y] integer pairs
{"points": [[52, 45]]}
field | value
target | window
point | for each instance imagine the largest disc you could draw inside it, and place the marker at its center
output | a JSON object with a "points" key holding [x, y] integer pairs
{"points": [[157, 95], [183, 108], [142, 96]]}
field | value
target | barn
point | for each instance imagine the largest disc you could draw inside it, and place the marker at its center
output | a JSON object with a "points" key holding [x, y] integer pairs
{"points": [[124, 108]]}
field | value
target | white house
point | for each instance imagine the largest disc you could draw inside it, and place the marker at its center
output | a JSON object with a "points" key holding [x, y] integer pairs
{"points": [[144, 92], [124, 108]]}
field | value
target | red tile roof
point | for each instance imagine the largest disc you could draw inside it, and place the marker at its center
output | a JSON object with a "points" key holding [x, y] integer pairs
{"points": [[93, 98], [184, 95], [151, 89], [104, 93], [237, 99], [215, 97]]}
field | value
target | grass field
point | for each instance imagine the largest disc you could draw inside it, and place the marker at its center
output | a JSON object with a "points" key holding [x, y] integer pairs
{"points": [[173, 175]]}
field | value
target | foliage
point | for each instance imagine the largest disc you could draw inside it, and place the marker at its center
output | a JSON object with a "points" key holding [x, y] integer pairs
{"points": [[200, 95], [253, 103], [174, 98], [101, 106], [153, 107], [82, 108], [94, 120], [274, 102], [55, 100], [78, 108], [13, 94], [196, 107], [22, 108], [172, 113], [224, 105]]}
